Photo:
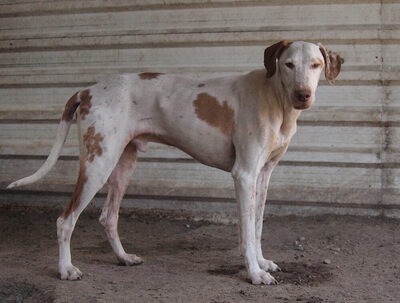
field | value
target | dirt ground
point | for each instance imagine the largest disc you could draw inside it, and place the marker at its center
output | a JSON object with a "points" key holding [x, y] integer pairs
{"points": [[323, 259]]}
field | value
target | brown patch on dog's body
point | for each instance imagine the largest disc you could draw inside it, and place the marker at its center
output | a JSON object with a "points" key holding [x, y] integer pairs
{"points": [[70, 108], [92, 143], [77, 195], [149, 76], [208, 109], [86, 103]]}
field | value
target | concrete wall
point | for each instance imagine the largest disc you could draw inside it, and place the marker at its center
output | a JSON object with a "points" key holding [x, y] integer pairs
{"points": [[343, 159]]}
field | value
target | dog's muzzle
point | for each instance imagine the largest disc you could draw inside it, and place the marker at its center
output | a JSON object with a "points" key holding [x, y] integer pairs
{"points": [[302, 98]]}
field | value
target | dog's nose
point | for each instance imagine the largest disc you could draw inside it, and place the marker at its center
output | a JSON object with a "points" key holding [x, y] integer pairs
{"points": [[303, 95]]}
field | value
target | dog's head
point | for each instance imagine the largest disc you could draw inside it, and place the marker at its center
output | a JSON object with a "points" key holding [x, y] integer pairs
{"points": [[299, 65]]}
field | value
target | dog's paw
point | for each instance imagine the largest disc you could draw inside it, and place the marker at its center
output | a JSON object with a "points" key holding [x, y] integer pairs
{"points": [[130, 259], [268, 265], [262, 277], [70, 273]]}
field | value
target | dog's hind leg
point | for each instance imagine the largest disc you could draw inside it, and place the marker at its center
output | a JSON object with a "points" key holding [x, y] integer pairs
{"points": [[117, 184], [96, 165]]}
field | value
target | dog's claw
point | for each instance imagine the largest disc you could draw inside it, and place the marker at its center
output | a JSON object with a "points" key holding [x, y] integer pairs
{"points": [[268, 265], [263, 277], [70, 273]]}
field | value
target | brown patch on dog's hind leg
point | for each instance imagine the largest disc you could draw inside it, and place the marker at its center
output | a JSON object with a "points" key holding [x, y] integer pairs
{"points": [[77, 195], [65, 227], [117, 184], [92, 176]]}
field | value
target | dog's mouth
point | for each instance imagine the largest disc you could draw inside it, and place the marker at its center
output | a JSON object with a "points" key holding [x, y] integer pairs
{"points": [[300, 105]]}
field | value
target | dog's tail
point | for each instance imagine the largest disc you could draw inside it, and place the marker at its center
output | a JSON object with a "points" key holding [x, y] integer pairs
{"points": [[55, 152]]}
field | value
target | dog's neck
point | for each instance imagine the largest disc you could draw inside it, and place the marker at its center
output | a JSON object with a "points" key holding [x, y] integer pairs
{"points": [[288, 113]]}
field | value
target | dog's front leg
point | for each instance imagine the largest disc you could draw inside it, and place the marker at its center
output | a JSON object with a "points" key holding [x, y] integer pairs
{"points": [[245, 186], [261, 196]]}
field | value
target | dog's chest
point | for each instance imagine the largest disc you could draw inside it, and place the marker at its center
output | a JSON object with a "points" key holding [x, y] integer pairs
{"points": [[280, 142]]}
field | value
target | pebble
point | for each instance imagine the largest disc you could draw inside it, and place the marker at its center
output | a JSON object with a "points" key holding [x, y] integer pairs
{"points": [[298, 246], [337, 249], [327, 261], [302, 238]]}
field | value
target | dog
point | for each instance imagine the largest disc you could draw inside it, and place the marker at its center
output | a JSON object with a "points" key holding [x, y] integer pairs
{"points": [[241, 124]]}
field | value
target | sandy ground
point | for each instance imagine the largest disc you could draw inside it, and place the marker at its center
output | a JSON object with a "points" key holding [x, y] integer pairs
{"points": [[187, 261]]}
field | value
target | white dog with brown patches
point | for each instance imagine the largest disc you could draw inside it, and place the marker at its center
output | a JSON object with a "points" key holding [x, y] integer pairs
{"points": [[240, 124]]}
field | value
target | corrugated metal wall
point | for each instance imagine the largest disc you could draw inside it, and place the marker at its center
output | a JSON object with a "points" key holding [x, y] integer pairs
{"points": [[343, 159]]}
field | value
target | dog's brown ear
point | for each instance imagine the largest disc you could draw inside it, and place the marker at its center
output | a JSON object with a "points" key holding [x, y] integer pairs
{"points": [[333, 63], [271, 54]]}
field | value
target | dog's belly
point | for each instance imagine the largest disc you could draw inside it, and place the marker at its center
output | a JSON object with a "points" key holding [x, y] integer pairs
{"points": [[219, 154], [217, 151], [203, 142]]}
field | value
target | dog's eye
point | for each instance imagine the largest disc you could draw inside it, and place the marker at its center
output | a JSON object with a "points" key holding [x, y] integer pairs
{"points": [[315, 65], [289, 65]]}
